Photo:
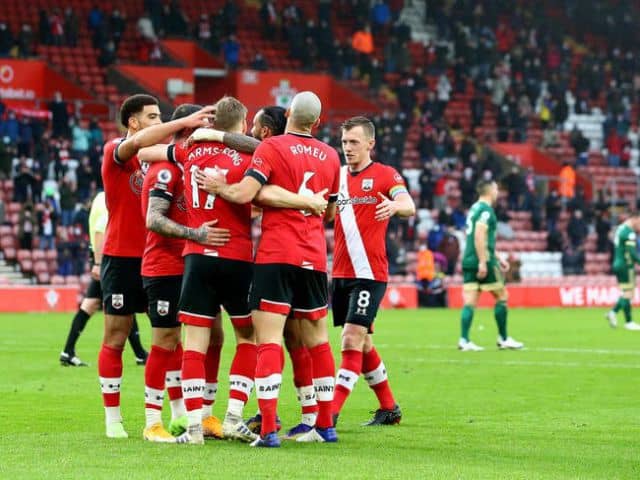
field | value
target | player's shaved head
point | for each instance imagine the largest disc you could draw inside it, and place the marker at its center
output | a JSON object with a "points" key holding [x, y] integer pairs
{"points": [[305, 109]]}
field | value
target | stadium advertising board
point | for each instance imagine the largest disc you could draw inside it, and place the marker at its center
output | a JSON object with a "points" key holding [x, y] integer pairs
{"points": [[549, 296], [21, 80], [39, 299]]}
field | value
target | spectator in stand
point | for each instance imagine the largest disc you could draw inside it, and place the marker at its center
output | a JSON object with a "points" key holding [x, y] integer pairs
{"points": [[26, 140], [59, 116], [71, 27], [503, 229], [362, 43], [477, 110], [269, 20], [203, 31], [553, 208], [580, 145], [44, 28], [145, 28], [426, 186], [443, 89], [516, 188], [573, 259], [68, 200], [25, 41], [259, 63], [47, 220], [95, 19], [230, 14], [6, 156], [577, 229], [107, 54], [80, 139], [467, 187], [567, 186], [26, 226], [118, 24], [176, 23], [231, 51], [10, 128], [615, 145], [6, 40], [85, 181], [450, 248], [603, 229], [380, 17]]}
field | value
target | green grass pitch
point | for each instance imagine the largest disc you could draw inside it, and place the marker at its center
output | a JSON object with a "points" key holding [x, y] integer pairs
{"points": [[566, 407]]}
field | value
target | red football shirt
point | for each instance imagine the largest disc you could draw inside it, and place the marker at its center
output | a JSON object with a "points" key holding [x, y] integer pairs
{"points": [[203, 207], [163, 255], [302, 164], [126, 230], [360, 247]]}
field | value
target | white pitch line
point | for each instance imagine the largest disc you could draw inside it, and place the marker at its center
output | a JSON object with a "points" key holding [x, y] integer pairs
{"points": [[589, 351], [523, 363]]}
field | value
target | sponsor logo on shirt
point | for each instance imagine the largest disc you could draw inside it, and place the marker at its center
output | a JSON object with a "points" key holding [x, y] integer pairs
{"points": [[344, 201]]}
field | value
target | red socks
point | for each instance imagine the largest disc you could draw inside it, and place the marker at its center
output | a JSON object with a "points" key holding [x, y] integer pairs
{"points": [[110, 372], [154, 376], [323, 381], [375, 374], [243, 368], [347, 377], [193, 379], [303, 380], [268, 379]]}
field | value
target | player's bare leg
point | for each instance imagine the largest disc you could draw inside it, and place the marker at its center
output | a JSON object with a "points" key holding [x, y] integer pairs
{"points": [[116, 331], [163, 344], [302, 377], [268, 379], [505, 342], [375, 373], [470, 299], [316, 338], [241, 374]]}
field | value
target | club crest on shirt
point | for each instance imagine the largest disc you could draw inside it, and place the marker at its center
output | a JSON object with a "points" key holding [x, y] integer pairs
{"points": [[163, 307], [135, 181], [117, 300], [367, 184]]}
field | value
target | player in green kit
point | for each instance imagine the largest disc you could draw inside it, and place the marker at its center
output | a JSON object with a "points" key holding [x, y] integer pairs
{"points": [[624, 262], [482, 269]]}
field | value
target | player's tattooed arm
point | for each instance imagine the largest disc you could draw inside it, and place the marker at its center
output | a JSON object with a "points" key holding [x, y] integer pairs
{"points": [[240, 142], [157, 221], [237, 141]]}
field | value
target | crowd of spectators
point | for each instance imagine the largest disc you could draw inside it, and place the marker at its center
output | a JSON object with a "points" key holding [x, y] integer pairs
{"points": [[517, 62], [54, 163]]}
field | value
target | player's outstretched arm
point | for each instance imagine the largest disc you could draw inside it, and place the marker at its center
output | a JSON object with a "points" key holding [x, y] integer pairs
{"points": [[278, 197], [402, 205], [207, 234], [155, 153], [156, 133], [237, 141]]}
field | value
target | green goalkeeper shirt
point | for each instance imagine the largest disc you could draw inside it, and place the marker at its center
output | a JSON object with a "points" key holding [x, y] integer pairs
{"points": [[480, 212]]}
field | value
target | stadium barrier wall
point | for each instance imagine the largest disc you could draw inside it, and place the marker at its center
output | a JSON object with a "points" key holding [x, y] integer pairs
{"points": [[549, 296], [54, 298], [23, 83], [41, 299]]}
